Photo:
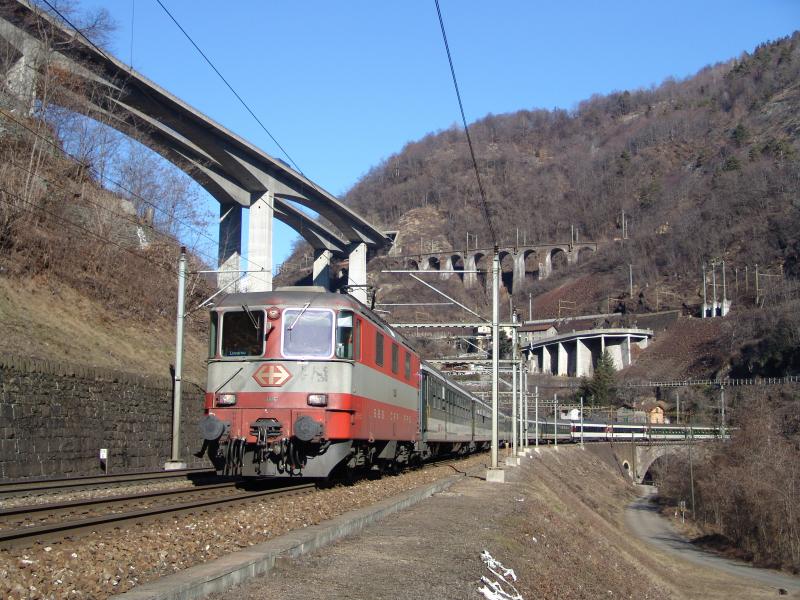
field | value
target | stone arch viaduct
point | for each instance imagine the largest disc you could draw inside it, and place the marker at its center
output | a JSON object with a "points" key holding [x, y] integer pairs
{"points": [[535, 261]]}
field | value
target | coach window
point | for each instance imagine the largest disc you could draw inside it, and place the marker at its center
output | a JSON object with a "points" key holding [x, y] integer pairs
{"points": [[408, 365], [243, 332], [212, 335], [344, 335], [379, 348], [395, 358]]}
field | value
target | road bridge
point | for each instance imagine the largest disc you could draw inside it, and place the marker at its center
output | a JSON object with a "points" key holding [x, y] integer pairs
{"points": [[532, 261], [235, 172], [636, 459]]}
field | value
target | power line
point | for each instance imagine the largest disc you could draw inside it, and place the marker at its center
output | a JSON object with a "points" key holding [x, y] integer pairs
{"points": [[484, 206], [80, 227], [132, 220], [119, 185], [230, 87], [108, 179]]}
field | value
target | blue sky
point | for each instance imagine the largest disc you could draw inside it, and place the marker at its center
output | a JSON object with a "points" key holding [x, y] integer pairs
{"points": [[343, 85]]}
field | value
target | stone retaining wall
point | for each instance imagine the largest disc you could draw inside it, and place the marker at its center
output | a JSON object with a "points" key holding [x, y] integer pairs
{"points": [[55, 417]]}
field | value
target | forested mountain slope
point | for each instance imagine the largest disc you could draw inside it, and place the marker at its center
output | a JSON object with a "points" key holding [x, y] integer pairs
{"points": [[703, 167]]}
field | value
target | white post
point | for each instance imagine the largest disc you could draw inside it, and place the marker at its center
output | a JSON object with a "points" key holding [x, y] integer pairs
{"points": [[555, 420], [705, 295], [514, 387], [525, 408], [175, 457], [494, 473], [536, 414], [259, 243], [714, 287]]}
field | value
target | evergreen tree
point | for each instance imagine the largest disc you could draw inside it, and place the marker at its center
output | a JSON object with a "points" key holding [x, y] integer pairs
{"points": [[599, 390]]}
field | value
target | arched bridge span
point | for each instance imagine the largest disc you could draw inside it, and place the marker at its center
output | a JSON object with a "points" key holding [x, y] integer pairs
{"points": [[235, 172]]}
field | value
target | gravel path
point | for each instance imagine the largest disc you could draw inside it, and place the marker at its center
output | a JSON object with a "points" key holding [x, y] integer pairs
{"points": [[107, 563], [557, 522], [644, 519]]}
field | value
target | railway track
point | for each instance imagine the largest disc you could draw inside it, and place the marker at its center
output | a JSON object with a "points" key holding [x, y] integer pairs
{"points": [[110, 517], [19, 488]]}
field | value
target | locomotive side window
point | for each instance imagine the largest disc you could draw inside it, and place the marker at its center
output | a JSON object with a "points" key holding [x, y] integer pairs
{"points": [[307, 333], [379, 348], [357, 340], [344, 335], [395, 358], [243, 333], [408, 365], [212, 335]]}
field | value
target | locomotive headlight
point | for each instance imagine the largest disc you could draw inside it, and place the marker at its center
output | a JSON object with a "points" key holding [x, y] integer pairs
{"points": [[226, 399], [318, 399]]}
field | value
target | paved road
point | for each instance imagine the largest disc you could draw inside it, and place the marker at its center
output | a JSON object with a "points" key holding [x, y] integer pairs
{"points": [[643, 518]]}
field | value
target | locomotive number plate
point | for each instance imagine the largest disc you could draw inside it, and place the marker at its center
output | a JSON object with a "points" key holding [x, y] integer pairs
{"points": [[271, 375]]}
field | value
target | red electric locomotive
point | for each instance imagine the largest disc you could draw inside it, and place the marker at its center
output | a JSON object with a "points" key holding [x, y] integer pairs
{"points": [[302, 382]]}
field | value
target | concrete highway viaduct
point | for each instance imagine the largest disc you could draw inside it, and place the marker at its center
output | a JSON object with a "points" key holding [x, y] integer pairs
{"points": [[235, 172], [534, 261]]}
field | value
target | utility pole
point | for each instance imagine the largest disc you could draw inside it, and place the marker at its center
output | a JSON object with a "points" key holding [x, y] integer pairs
{"points": [[756, 284], [722, 410], [536, 414], [175, 461], [630, 276], [530, 306], [691, 464], [724, 292], [525, 409], [705, 295], [555, 420], [624, 233], [582, 448], [714, 287], [514, 349], [677, 407], [495, 474]]}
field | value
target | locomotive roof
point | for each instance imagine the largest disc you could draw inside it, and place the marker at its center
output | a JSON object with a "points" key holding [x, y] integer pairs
{"points": [[317, 297]]}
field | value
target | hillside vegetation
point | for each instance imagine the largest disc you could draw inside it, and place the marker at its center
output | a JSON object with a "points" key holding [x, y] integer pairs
{"points": [[705, 169]]}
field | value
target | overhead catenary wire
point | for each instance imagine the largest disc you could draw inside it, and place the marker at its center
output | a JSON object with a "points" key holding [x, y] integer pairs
{"points": [[229, 86], [107, 178], [484, 205], [103, 239], [132, 220]]}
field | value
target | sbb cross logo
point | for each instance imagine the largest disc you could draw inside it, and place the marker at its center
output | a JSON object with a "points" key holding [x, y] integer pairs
{"points": [[272, 375]]}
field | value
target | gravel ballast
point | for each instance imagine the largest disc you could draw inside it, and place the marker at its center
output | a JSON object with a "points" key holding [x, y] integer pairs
{"points": [[107, 563]]}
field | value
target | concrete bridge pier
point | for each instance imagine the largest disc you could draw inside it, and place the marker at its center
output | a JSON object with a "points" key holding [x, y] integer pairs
{"points": [[20, 78], [470, 266], [357, 272], [518, 276], [321, 269], [230, 246], [259, 243]]}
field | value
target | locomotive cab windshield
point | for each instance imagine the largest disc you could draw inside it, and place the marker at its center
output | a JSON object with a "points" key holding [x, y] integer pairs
{"points": [[242, 332]]}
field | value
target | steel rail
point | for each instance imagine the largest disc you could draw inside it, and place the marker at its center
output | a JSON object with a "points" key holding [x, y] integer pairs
{"points": [[69, 505], [58, 531], [15, 488]]}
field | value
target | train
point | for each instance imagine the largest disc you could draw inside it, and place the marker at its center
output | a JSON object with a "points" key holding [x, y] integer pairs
{"points": [[303, 382]]}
